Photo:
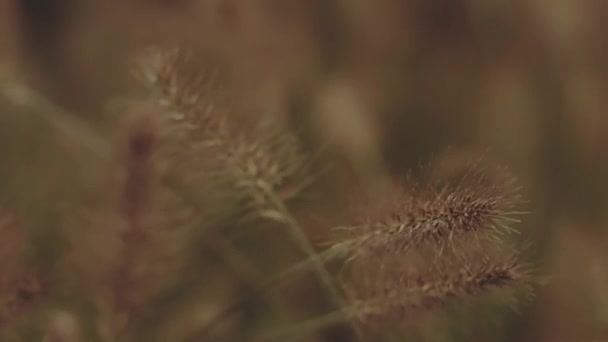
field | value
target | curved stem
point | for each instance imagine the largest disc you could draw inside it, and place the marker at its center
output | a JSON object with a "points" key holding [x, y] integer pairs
{"points": [[315, 260], [310, 326], [265, 286]]}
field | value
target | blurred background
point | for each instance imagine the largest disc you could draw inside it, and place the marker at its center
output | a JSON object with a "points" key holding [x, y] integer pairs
{"points": [[394, 83]]}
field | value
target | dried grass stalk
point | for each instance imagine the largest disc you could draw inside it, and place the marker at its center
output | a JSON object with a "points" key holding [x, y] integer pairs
{"points": [[20, 285]]}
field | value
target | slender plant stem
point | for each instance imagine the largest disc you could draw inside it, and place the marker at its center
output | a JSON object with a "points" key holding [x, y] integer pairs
{"points": [[231, 257], [67, 123], [304, 244], [315, 260], [313, 325], [302, 240], [265, 286]]}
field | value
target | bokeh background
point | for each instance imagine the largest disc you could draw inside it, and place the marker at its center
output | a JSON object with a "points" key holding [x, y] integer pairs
{"points": [[394, 83]]}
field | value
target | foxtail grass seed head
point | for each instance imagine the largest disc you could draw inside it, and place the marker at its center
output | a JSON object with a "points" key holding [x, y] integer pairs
{"points": [[397, 296], [473, 209], [253, 170], [187, 91], [241, 164]]}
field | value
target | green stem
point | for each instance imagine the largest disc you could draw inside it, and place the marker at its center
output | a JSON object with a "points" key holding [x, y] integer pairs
{"points": [[310, 326], [267, 285], [302, 240]]}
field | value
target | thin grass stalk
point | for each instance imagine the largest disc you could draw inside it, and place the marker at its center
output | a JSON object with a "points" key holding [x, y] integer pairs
{"points": [[231, 256], [316, 324], [59, 118], [315, 261], [267, 285]]}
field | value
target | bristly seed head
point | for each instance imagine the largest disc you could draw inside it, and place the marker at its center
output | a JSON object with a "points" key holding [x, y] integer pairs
{"points": [[394, 295], [249, 168], [184, 89], [240, 164], [475, 206]]}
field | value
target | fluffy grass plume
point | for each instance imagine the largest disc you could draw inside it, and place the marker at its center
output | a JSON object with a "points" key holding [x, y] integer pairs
{"points": [[454, 213]]}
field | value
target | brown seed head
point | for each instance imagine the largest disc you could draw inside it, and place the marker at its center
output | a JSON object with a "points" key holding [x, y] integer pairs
{"points": [[475, 207], [398, 295]]}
